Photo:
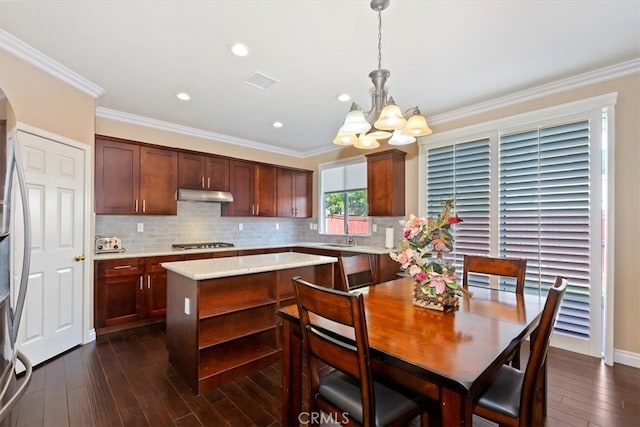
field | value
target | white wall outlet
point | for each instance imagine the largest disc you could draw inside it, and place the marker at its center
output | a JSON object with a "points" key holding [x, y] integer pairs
{"points": [[240, 227], [310, 226], [140, 227], [374, 228], [277, 226], [187, 306], [314, 226]]}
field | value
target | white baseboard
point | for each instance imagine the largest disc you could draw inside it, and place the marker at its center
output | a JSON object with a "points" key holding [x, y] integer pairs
{"points": [[626, 358], [91, 336]]}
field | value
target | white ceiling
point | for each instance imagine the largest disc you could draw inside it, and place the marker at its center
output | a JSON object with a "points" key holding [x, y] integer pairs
{"points": [[443, 55]]}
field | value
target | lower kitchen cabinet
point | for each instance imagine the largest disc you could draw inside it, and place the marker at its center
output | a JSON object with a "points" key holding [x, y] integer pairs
{"points": [[130, 292]]}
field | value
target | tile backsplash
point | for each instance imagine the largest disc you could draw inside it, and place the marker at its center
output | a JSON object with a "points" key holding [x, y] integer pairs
{"points": [[202, 222]]}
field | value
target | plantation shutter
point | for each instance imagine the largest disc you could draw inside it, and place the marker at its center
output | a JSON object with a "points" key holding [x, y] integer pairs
{"points": [[545, 213], [462, 172]]}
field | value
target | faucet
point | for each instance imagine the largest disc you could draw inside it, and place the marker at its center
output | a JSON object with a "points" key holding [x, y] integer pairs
{"points": [[348, 240]]}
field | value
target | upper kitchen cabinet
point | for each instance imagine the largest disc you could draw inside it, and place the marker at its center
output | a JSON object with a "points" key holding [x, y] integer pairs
{"points": [[253, 187], [385, 183], [134, 179], [294, 193], [203, 172]]}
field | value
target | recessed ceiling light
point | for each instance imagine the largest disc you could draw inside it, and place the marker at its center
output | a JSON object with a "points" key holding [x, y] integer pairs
{"points": [[239, 49], [277, 125], [183, 96], [344, 97]]}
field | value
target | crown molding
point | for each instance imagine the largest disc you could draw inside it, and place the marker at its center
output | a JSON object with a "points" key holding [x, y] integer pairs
{"points": [[17, 47], [592, 77], [120, 116]]}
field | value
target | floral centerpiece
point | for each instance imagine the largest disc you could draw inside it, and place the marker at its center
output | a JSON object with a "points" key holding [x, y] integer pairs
{"points": [[436, 285]]}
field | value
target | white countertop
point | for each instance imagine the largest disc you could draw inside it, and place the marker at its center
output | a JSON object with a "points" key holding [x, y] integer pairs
{"points": [[375, 250], [203, 269]]}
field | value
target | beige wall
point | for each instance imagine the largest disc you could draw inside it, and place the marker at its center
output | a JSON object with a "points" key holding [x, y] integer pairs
{"points": [[42, 101]]}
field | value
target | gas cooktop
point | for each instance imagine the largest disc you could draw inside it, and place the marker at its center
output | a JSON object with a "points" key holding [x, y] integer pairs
{"points": [[207, 245]]}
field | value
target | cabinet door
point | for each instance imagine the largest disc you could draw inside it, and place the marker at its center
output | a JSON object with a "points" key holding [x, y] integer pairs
{"points": [[294, 193], [158, 181], [385, 183], [302, 203], [118, 286], [286, 195], [191, 171], [266, 181], [155, 286], [217, 173], [241, 186], [117, 177]]}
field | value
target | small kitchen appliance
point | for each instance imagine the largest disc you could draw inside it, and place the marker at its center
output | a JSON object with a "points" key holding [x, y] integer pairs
{"points": [[105, 245]]}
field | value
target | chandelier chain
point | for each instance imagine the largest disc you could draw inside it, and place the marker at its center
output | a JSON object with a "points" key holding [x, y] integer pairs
{"points": [[379, 40]]}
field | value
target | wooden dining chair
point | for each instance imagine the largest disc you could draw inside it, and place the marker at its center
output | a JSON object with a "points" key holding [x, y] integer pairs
{"points": [[355, 271], [515, 398], [348, 390], [503, 267]]}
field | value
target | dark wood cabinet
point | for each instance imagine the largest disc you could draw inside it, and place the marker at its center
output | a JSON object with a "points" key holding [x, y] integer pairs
{"points": [[253, 186], [203, 172], [118, 286], [154, 292], [265, 188], [294, 193], [385, 183], [130, 292], [134, 179]]}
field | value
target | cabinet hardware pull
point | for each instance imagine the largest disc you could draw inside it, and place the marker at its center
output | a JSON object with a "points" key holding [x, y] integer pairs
{"points": [[140, 282], [252, 210], [144, 206], [136, 205], [202, 185], [257, 209], [148, 281], [208, 182], [121, 267]]}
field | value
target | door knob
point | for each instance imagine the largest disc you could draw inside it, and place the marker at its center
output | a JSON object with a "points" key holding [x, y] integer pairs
{"points": [[80, 257]]}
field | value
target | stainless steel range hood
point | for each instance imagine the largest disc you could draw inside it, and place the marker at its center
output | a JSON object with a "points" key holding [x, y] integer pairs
{"points": [[204, 196]]}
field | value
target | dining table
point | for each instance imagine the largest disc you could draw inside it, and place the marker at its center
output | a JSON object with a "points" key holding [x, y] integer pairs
{"points": [[450, 357]]}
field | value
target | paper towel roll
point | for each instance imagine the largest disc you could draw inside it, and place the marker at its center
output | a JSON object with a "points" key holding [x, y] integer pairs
{"points": [[388, 238]]}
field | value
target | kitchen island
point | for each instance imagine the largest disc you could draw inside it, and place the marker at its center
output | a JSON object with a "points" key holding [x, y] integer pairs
{"points": [[221, 321]]}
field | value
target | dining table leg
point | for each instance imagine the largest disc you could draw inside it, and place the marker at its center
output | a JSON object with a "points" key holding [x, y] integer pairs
{"points": [[291, 376], [456, 408]]}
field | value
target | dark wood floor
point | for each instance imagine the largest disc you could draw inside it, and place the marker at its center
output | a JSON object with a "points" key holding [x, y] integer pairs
{"points": [[125, 380]]}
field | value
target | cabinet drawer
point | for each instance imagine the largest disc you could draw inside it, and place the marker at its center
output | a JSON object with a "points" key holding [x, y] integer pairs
{"points": [[120, 267], [152, 264]]}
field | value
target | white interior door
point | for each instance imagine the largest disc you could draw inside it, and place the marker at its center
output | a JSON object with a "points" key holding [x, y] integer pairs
{"points": [[52, 318]]}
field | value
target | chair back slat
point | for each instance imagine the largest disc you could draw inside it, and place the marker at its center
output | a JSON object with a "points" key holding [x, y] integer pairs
{"points": [[356, 271], [505, 267]]}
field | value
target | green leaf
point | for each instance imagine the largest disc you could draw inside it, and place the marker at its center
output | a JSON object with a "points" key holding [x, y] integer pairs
{"points": [[437, 268]]}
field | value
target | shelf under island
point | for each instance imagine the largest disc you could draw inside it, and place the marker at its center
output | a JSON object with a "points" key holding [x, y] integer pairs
{"points": [[221, 321]]}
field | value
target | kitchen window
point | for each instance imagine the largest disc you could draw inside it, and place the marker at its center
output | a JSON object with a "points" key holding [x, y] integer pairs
{"points": [[535, 187], [343, 202]]}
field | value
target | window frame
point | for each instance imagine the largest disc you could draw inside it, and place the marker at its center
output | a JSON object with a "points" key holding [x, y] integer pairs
{"points": [[361, 159]]}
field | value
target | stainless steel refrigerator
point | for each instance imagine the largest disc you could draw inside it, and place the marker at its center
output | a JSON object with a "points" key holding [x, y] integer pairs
{"points": [[12, 386]]}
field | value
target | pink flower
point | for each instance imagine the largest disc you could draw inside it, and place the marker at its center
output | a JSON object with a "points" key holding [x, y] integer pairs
{"points": [[437, 281], [420, 276], [439, 245]]}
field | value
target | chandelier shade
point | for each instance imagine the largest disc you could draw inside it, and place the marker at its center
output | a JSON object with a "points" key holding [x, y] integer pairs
{"points": [[344, 138], [384, 114], [366, 142]]}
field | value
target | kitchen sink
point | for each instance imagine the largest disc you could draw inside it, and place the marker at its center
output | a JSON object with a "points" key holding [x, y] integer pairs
{"points": [[341, 245]]}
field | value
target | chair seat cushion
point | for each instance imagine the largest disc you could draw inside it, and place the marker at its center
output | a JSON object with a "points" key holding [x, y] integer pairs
{"points": [[503, 395], [343, 391]]}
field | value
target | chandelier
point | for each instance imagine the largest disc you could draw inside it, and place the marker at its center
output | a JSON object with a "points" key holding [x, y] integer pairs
{"points": [[388, 120]]}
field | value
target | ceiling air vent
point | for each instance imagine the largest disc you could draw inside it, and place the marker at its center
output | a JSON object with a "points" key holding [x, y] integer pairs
{"points": [[259, 80]]}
